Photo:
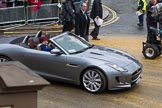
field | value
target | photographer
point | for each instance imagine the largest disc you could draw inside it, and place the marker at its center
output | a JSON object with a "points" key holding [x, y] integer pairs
{"points": [[151, 22]]}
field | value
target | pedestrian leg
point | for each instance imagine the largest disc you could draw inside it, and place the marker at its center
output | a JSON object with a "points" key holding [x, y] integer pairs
{"points": [[140, 20], [95, 31]]}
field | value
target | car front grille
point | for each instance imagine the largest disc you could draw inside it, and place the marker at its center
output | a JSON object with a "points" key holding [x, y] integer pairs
{"points": [[136, 75]]}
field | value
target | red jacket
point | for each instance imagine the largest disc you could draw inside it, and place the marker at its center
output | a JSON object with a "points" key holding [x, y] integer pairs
{"points": [[37, 4]]}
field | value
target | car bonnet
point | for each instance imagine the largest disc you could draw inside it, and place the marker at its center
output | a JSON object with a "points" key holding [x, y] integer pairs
{"points": [[108, 56]]}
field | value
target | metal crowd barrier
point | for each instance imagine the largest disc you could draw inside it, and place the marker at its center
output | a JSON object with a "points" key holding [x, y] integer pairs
{"points": [[45, 12], [25, 15], [12, 15]]}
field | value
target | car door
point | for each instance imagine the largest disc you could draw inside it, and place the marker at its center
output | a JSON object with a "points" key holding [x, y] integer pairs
{"points": [[45, 63]]}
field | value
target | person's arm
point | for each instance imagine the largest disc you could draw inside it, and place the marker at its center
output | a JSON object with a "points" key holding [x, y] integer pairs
{"points": [[69, 9], [31, 2], [73, 6], [39, 3], [97, 8], [77, 19], [88, 24], [150, 18], [44, 48], [141, 4], [148, 11]]}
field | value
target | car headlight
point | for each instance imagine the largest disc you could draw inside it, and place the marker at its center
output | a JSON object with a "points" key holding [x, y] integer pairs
{"points": [[118, 68]]}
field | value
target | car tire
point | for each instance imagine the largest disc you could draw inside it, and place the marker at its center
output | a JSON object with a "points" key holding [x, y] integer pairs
{"points": [[4, 59], [159, 48], [94, 81], [150, 51]]}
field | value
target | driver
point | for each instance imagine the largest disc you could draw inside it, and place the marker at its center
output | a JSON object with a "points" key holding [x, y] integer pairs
{"points": [[44, 44]]}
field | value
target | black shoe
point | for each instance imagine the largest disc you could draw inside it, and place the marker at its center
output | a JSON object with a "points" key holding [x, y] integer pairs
{"points": [[95, 38], [139, 24]]}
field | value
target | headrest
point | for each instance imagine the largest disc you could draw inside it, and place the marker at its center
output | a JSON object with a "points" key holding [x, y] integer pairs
{"points": [[36, 40]]}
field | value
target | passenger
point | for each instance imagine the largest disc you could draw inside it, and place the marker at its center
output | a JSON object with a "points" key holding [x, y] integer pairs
{"points": [[44, 44], [31, 43]]}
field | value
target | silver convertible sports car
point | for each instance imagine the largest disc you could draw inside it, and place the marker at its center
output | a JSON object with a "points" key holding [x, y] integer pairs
{"points": [[74, 60]]}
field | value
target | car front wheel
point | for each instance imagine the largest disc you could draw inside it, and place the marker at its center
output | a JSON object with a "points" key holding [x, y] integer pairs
{"points": [[94, 81]]}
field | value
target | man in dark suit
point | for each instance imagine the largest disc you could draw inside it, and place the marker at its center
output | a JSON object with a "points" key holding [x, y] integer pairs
{"points": [[96, 12], [82, 22]]}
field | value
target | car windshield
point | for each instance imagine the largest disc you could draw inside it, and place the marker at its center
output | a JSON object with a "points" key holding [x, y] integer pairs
{"points": [[72, 44]]}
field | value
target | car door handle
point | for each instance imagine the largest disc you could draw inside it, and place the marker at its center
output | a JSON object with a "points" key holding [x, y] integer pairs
{"points": [[72, 65]]}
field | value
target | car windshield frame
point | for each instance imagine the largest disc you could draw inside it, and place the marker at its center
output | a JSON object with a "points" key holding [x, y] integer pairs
{"points": [[71, 43]]}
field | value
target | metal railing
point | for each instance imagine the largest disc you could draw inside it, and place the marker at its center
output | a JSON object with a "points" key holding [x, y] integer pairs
{"points": [[45, 12], [12, 15], [25, 15]]}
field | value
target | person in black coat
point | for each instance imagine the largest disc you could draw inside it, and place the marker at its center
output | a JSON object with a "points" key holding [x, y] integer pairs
{"points": [[68, 15], [96, 12], [82, 22], [151, 22]]}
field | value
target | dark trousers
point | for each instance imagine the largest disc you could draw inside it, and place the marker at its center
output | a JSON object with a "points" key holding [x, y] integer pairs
{"points": [[68, 26], [95, 31], [141, 17], [151, 35], [85, 37]]}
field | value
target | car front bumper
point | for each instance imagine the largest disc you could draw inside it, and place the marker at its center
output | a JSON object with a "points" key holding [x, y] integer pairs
{"points": [[120, 80]]}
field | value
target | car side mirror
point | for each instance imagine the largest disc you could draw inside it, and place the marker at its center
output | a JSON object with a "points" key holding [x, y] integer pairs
{"points": [[56, 51]]}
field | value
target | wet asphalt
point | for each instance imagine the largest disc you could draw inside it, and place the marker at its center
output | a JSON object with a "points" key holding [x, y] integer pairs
{"points": [[127, 23], [123, 35]]}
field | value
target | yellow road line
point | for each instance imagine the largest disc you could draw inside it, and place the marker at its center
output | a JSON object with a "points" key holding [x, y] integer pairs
{"points": [[114, 16]]}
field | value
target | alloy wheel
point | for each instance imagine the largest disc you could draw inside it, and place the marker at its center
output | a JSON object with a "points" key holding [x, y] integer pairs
{"points": [[149, 52], [92, 81]]}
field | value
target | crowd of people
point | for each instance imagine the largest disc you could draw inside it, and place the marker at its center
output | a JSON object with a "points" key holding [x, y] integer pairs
{"points": [[80, 20], [72, 17], [12, 3]]}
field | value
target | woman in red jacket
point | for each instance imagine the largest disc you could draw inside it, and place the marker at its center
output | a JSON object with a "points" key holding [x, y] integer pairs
{"points": [[35, 6]]}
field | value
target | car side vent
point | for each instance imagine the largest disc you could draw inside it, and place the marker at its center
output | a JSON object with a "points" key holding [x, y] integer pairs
{"points": [[96, 53], [105, 49]]}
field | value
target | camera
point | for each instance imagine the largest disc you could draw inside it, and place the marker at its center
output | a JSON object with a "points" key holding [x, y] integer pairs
{"points": [[156, 10]]}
